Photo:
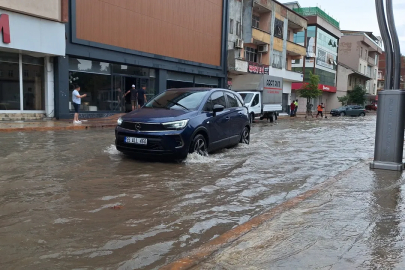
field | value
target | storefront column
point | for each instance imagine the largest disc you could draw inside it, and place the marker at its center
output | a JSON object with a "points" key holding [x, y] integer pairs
{"points": [[61, 75], [162, 80], [20, 71], [49, 88]]}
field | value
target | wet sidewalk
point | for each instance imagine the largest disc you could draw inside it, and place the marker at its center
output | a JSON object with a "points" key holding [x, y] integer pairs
{"points": [[352, 221], [55, 125]]}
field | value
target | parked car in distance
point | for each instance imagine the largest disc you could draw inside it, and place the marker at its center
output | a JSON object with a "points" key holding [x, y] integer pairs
{"points": [[371, 107], [349, 110], [182, 121]]}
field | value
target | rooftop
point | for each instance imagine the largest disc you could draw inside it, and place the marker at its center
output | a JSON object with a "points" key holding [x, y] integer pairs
{"points": [[316, 11]]}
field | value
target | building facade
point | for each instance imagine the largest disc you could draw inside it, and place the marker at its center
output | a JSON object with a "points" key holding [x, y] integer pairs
{"points": [[361, 51], [381, 72], [32, 35], [322, 41], [260, 41], [152, 44]]}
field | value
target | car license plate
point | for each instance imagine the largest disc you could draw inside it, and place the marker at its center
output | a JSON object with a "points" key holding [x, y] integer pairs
{"points": [[134, 140]]}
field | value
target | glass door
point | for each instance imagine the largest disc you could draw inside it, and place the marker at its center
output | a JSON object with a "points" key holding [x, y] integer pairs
{"points": [[118, 92]]}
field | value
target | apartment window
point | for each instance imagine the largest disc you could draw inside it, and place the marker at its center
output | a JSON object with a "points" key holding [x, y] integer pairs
{"points": [[366, 54], [276, 61], [231, 26], [288, 35], [26, 73], [361, 51], [375, 74], [360, 67], [255, 21], [238, 29], [10, 74], [278, 28], [251, 54]]}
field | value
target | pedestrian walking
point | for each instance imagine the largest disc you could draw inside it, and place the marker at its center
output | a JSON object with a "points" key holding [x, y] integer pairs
{"points": [[320, 110], [142, 97], [296, 107], [76, 100], [292, 109], [133, 96]]}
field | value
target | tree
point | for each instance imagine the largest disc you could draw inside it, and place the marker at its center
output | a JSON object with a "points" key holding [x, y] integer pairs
{"points": [[344, 100], [357, 95], [310, 90]]}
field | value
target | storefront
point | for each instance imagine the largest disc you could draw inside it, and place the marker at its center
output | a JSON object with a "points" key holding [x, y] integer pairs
{"points": [[106, 62], [27, 46]]}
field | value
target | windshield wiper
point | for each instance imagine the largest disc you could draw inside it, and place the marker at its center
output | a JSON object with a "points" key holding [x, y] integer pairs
{"points": [[178, 104], [160, 105]]}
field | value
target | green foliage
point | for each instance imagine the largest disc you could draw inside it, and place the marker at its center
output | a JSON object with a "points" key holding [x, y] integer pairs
{"points": [[310, 90], [344, 100], [357, 95]]}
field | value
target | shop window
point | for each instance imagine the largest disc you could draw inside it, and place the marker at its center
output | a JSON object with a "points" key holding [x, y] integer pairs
{"points": [[130, 70], [90, 66], [33, 83], [11, 73], [10, 87], [100, 96], [205, 81]]}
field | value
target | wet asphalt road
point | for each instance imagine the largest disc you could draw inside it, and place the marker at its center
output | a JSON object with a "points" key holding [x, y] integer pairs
{"points": [[57, 190]]}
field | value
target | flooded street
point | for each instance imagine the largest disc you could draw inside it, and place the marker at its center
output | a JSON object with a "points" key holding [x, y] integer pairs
{"points": [[69, 200]]}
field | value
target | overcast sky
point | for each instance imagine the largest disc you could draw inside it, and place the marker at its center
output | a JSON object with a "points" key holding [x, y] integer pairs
{"points": [[360, 15]]}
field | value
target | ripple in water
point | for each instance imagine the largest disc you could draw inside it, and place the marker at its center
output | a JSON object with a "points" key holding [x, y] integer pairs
{"points": [[112, 150]]}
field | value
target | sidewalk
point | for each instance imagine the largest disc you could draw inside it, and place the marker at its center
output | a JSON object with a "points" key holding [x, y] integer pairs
{"points": [[55, 125], [351, 221]]}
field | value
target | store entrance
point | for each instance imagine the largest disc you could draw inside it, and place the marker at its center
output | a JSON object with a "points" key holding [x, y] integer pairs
{"points": [[124, 84]]}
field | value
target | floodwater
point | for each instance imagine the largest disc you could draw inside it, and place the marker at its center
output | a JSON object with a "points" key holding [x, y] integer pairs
{"points": [[69, 200]]}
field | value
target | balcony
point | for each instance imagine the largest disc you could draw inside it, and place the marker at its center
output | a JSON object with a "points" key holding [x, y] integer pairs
{"points": [[287, 75], [296, 50], [236, 65], [371, 61], [260, 37]]}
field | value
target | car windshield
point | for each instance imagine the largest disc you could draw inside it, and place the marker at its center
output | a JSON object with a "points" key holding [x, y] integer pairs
{"points": [[342, 108], [247, 97], [178, 100]]}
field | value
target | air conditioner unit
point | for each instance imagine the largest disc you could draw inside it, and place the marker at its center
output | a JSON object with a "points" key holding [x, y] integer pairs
{"points": [[263, 48], [239, 43]]}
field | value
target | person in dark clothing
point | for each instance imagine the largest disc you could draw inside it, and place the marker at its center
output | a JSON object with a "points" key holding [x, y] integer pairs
{"points": [[142, 96], [134, 93], [292, 109]]}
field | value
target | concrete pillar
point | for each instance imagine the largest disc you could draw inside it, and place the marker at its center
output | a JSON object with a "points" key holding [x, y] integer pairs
{"points": [[49, 87], [162, 80], [61, 90]]}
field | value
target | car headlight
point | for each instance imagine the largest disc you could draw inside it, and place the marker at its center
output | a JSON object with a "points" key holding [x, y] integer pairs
{"points": [[176, 125], [119, 121]]}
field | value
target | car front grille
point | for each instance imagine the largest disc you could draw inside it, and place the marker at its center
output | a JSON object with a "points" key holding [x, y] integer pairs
{"points": [[142, 126]]}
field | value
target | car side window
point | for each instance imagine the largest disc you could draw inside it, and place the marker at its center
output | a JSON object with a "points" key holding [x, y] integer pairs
{"points": [[255, 100], [208, 107], [232, 102], [240, 104], [218, 98]]}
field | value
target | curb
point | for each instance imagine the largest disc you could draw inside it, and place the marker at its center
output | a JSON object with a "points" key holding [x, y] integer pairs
{"points": [[81, 127], [206, 250]]}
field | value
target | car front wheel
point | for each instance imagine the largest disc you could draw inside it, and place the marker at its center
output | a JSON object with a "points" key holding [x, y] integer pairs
{"points": [[199, 145], [245, 137], [342, 114], [363, 114]]}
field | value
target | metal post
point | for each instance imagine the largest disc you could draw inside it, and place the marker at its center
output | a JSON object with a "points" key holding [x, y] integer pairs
{"points": [[389, 138]]}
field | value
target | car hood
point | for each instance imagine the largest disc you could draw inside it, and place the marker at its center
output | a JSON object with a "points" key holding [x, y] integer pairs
{"points": [[152, 115]]}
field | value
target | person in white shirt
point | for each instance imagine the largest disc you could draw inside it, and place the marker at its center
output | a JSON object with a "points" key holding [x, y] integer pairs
{"points": [[76, 99]]}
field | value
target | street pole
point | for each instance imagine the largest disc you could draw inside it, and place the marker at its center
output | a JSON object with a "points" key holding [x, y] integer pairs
{"points": [[389, 138]]}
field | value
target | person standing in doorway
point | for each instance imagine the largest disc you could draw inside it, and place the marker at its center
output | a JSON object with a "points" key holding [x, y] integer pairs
{"points": [[76, 100], [296, 107], [142, 97], [133, 96], [292, 109], [320, 110]]}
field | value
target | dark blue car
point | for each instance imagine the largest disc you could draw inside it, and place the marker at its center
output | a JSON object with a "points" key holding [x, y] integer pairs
{"points": [[182, 121]]}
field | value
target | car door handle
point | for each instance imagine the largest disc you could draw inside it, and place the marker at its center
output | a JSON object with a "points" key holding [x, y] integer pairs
{"points": [[239, 112], [227, 118]]}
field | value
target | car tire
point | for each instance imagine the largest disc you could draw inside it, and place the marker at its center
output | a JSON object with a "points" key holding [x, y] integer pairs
{"points": [[362, 114], [251, 118], [199, 145], [342, 114], [245, 136]]}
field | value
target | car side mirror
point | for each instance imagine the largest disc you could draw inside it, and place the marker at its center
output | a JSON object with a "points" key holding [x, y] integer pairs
{"points": [[218, 108]]}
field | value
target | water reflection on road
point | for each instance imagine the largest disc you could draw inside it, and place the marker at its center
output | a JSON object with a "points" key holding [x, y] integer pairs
{"points": [[70, 200]]}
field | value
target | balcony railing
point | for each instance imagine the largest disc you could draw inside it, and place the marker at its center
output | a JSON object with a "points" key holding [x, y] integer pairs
{"points": [[260, 35], [371, 61], [315, 11]]}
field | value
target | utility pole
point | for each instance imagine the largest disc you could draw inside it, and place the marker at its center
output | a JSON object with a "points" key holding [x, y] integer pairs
{"points": [[389, 138]]}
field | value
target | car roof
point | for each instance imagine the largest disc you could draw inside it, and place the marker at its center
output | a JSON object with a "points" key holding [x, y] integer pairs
{"points": [[196, 89]]}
